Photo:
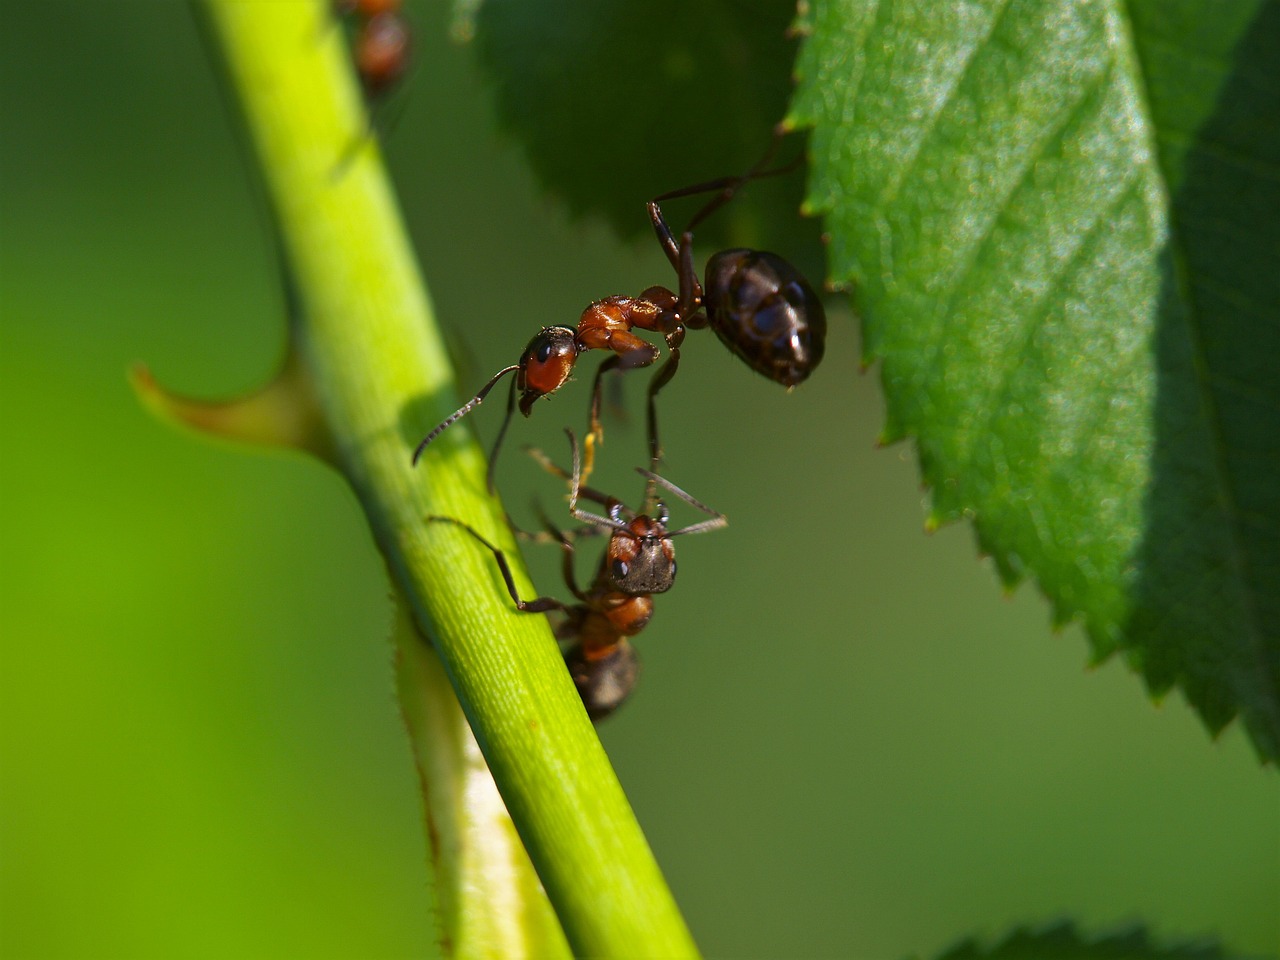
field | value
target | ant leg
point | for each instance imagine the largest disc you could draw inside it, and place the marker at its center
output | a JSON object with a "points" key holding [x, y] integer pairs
{"points": [[689, 301], [541, 604], [666, 238], [595, 431], [384, 123], [497, 443], [725, 189], [576, 492], [660, 380], [630, 352], [717, 520], [584, 493], [689, 298], [566, 560]]}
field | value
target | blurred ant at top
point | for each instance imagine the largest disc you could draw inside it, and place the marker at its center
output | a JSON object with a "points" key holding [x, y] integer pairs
{"points": [[638, 562], [381, 43], [759, 305]]}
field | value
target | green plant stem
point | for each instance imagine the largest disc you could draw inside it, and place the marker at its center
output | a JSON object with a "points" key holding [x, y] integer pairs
{"points": [[367, 339], [488, 899]]}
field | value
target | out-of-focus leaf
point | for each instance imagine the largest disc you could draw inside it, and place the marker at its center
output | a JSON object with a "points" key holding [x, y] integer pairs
{"points": [[619, 102], [1061, 941], [1061, 222]]}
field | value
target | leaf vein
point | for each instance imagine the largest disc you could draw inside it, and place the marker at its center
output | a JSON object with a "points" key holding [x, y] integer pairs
{"points": [[979, 242], [891, 189], [1034, 317]]}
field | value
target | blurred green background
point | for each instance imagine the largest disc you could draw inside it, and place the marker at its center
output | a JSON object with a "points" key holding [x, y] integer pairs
{"points": [[846, 741]]}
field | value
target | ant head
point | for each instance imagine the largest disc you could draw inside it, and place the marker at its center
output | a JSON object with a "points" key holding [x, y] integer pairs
{"points": [[604, 677], [641, 558], [545, 365]]}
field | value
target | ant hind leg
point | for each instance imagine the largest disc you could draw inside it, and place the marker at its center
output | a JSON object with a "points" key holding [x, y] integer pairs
{"points": [[538, 605]]}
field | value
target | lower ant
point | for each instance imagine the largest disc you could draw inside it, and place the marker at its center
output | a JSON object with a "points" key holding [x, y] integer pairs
{"points": [[759, 305], [638, 562]]}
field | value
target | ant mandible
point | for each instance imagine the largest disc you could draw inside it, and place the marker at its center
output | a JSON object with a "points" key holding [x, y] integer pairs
{"points": [[638, 562], [760, 306]]}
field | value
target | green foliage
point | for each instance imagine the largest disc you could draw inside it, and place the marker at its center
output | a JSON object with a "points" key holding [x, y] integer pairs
{"points": [[199, 742], [1062, 941], [617, 102], [1059, 222]]}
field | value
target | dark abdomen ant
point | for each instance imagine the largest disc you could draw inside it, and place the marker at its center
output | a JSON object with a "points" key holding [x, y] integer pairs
{"points": [[759, 305], [638, 562]]}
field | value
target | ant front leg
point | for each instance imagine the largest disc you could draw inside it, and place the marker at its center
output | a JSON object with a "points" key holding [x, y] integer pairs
{"points": [[595, 428], [541, 604], [724, 188], [660, 380], [680, 254], [610, 503], [607, 325], [674, 313]]}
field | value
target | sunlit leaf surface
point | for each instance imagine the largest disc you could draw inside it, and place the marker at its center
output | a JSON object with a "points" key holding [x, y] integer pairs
{"points": [[1060, 222]]}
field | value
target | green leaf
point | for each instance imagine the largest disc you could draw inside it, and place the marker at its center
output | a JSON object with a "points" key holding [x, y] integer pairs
{"points": [[1061, 941], [618, 102], [1060, 220]]}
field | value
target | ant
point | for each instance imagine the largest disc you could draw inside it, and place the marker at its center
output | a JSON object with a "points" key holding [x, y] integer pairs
{"points": [[638, 562], [381, 49], [759, 305]]}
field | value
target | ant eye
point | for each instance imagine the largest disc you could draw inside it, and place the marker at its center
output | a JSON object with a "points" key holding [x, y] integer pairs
{"points": [[620, 569], [544, 351]]}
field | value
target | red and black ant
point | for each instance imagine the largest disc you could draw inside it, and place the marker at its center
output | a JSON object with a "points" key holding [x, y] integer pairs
{"points": [[381, 52], [638, 562], [759, 305], [381, 48]]}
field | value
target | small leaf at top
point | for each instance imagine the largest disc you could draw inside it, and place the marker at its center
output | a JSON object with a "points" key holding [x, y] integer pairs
{"points": [[1061, 941], [616, 103]]}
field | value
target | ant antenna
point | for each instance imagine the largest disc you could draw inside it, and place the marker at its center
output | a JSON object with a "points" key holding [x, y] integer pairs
{"points": [[463, 410], [728, 187], [717, 520], [576, 490], [584, 493]]}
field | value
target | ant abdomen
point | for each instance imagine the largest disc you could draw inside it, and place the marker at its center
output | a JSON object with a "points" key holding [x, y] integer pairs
{"points": [[763, 309], [604, 678]]}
